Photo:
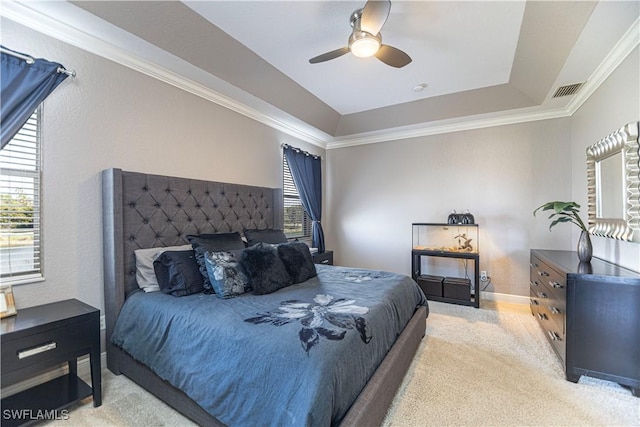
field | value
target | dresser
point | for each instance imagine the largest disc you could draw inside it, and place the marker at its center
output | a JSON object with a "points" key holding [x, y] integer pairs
{"points": [[590, 314]]}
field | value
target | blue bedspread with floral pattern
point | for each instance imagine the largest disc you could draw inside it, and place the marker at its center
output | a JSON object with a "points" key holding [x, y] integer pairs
{"points": [[297, 357]]}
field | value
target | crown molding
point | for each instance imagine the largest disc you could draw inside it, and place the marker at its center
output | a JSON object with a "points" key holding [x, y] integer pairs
{"points": [[58, 27], [447, 126]]}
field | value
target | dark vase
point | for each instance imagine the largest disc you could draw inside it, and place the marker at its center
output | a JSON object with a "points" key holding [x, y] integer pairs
{"points": [[585, 250]]}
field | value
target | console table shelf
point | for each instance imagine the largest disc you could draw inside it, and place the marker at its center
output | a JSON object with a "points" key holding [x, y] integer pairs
{"points": [[455, 241]]}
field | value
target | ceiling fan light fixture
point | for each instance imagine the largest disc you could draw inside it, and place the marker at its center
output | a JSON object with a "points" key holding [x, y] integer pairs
{"points": [[363, 44]]}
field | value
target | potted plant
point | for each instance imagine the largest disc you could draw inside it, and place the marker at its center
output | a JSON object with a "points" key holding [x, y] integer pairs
{"points": [[569, 212]]}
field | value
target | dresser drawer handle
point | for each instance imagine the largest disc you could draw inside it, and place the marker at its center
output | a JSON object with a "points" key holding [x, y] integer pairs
{"points": [[554, 310], [36, 350], [533, 265], [543, 273], [542, 316], [554, 336], [324, 261], [533, 302], [534, 283], [556, 285], [542, 295]]}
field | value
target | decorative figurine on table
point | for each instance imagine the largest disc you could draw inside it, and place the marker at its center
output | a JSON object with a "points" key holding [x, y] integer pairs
{"points": [[466, 246]]}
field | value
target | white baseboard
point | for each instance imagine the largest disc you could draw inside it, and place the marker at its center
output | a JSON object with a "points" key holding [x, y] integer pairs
{"points": [[498, 297], [84, 372]]}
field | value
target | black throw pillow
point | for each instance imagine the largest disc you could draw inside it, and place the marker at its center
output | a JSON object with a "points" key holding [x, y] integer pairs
{"points": [[296, 258], [217, 242], [267, 235], [265, 270], [178, 273]]}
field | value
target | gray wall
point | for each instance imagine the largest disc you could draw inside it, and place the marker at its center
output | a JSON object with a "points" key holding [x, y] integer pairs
{"points": [[500, 174], [111, 116]]}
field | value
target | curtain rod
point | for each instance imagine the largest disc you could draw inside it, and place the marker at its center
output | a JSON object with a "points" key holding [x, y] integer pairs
{"points": [[29, 60], [306, 153]]}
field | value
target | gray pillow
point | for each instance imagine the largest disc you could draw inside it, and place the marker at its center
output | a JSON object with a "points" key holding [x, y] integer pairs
{"points": [[226, 275], [267, 235], [216, 242], [296, 258], [264, 268]]}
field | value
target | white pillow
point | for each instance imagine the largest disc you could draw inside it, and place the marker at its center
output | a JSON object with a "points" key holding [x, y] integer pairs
{"points": [[145, 274]]}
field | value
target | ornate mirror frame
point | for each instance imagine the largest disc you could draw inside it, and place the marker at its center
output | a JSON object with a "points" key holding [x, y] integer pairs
{"points": [[624, 141]]}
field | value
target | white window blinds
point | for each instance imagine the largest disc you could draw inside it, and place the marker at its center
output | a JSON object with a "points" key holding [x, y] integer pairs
{"points": [[20, 175], [297, 223]]}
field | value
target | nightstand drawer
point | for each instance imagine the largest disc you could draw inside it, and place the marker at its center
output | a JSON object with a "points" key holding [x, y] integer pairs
{"points": [[323, 258], [53, 346]]}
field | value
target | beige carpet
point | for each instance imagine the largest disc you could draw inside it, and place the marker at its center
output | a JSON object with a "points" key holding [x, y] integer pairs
{"points": [[489, 366]]}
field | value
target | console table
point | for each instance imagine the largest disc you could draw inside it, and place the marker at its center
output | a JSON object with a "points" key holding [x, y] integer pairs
{"points": [[39, 338], [590, 314]]}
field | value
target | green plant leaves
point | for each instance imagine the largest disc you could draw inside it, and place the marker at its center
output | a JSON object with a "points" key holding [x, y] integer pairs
{"points": [[562, 212]]}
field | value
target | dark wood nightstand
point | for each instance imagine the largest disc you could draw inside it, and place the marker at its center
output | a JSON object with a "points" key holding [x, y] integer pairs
{"points": [[323, 258], [39, 338]]}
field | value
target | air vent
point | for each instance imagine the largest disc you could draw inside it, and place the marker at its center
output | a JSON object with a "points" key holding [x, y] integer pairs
{"points": [[567, 90]]}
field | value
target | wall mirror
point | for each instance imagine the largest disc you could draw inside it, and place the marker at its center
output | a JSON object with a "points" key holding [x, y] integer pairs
{"points": [[613, 185]]}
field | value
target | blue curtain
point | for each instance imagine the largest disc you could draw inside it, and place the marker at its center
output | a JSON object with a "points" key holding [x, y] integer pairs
{"points": [[23, 87], [307, 176]]}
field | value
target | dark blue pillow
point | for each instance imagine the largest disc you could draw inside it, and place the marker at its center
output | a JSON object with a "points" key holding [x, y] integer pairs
{"points": [[296, 258], [217, 242], [226, 275], [267, 235], [178, 273], [264, 268]]}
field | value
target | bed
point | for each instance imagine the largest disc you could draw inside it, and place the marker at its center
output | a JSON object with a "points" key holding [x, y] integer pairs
{"points": [[145, 211]]}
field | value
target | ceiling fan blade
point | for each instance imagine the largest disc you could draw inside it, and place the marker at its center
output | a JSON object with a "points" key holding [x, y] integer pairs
{"points": [[329, 55], [374, 15], [393, 56]]}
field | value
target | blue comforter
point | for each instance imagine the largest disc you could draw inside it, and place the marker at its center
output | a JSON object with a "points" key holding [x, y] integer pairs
{"points": [[299, 356]]}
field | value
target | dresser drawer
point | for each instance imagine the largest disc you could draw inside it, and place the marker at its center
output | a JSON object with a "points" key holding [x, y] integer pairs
{"points": [[52, 346], [535, 279], [554, 308], [554, 334], [547, 276]]}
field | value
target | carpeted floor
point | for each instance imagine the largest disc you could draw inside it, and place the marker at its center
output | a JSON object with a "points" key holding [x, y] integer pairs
{"points": [[490, 366]]}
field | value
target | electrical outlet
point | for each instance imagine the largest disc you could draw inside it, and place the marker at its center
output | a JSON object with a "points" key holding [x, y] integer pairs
{"points": [[103, 322], [483, 276]]}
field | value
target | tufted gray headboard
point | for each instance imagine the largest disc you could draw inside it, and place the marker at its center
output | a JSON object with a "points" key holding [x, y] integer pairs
{"points": [[143, 211]]}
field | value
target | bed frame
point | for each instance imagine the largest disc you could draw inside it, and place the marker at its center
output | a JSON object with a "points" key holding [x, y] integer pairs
{"points": [[142, 211]]}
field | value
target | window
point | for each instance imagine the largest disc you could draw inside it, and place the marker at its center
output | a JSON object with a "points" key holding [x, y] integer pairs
{"points": [[297, 223], [20, 175]]}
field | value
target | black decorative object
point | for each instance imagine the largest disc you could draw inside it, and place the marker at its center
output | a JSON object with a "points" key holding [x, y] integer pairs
{"points": [[467, 218], [453, 217], [456, 218]]}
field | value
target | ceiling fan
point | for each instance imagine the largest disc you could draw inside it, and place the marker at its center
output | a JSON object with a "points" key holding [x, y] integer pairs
{"points": [[365, 40]]}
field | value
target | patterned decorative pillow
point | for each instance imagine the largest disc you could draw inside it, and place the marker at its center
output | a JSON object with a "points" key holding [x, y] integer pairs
{"points": [[296, 258], [216, 242], [264, 268], [226, 275]]}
